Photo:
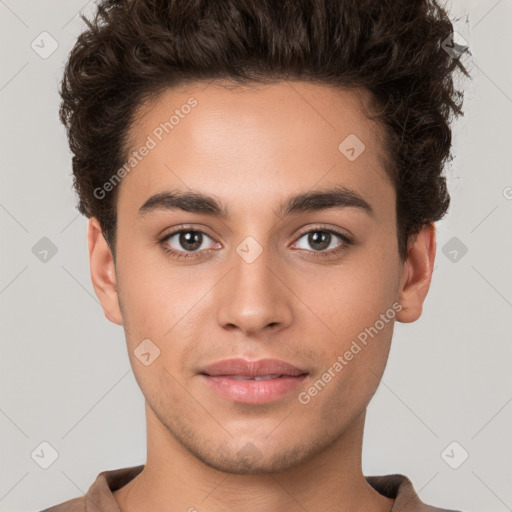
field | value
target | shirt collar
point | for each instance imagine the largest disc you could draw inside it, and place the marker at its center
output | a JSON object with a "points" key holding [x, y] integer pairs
{"points": [[99, 497]]}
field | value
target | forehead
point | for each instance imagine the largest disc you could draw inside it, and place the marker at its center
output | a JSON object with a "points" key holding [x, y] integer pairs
{"points": [[261, 140]]}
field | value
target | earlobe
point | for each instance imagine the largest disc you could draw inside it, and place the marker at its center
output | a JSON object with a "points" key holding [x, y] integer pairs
{"points": [[417, 274], [103, 274]]}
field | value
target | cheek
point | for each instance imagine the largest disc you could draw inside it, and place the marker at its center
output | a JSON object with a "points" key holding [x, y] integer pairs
{"points": [[155, 295], [354, 362], [353, 318], [349, 299], [165, 305]]}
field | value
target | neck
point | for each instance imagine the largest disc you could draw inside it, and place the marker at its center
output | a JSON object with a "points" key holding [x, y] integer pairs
{"points": [[174, 480]]}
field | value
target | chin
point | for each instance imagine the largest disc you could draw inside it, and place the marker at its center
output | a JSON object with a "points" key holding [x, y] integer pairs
{"points": [[250, 460]]}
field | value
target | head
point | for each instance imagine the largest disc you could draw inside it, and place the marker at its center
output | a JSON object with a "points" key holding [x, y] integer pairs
{"points": [[302, 146]]}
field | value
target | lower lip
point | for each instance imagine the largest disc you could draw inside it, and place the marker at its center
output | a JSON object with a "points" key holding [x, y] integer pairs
{"points": [[253, 391]]}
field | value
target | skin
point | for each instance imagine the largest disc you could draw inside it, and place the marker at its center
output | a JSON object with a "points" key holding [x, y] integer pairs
{"points": [[251, 148]]}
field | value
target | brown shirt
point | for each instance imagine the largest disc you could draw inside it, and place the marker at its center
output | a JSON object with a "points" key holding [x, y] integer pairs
{"points": [[99, 497]]}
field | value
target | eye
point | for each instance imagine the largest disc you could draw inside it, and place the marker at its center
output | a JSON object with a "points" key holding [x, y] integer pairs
{"points": [[322, 240], [186, 240], [192, 243]]}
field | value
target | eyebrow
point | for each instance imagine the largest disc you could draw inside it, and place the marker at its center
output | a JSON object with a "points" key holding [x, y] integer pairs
{"points": [[310, 201]]}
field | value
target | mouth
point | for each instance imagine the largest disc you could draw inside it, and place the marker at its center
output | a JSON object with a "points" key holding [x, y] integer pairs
{"points": [[253, 382], [238, 367], [247, 377]]}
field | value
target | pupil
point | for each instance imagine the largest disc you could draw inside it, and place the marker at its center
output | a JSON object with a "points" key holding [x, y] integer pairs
{"points": [[319, 239], [191, 240]]}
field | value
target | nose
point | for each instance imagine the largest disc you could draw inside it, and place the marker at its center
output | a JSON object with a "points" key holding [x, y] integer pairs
{"points": [[253, 297]]}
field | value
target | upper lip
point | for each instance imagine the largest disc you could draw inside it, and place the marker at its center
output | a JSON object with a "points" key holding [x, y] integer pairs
{"points": [[261, 367]]}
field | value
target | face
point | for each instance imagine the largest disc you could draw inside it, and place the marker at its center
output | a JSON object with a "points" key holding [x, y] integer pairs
{"points": [[246, 231]]}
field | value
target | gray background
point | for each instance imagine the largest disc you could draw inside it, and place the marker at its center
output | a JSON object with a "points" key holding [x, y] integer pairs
{"points": [[65, 373]]}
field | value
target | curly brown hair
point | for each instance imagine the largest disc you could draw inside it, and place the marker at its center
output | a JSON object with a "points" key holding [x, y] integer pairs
{"points": [[135, 49]]}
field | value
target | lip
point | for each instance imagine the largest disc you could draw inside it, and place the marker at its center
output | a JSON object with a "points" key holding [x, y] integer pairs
{"points": [[261, 367], [231, 379]]}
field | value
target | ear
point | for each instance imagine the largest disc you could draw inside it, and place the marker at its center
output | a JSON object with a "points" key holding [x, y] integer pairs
{"points": [[417, 274], [103, 272]]}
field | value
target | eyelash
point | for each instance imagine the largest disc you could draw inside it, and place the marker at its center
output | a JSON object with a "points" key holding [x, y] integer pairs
{"points": [[316, 254]]}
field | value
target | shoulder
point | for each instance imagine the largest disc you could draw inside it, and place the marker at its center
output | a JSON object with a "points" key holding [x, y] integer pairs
{"points": [[74, 505], [400, 488], [100, 495]]}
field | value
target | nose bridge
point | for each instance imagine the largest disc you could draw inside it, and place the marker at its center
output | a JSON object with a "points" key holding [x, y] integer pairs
{"points": [[252, 296]]}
